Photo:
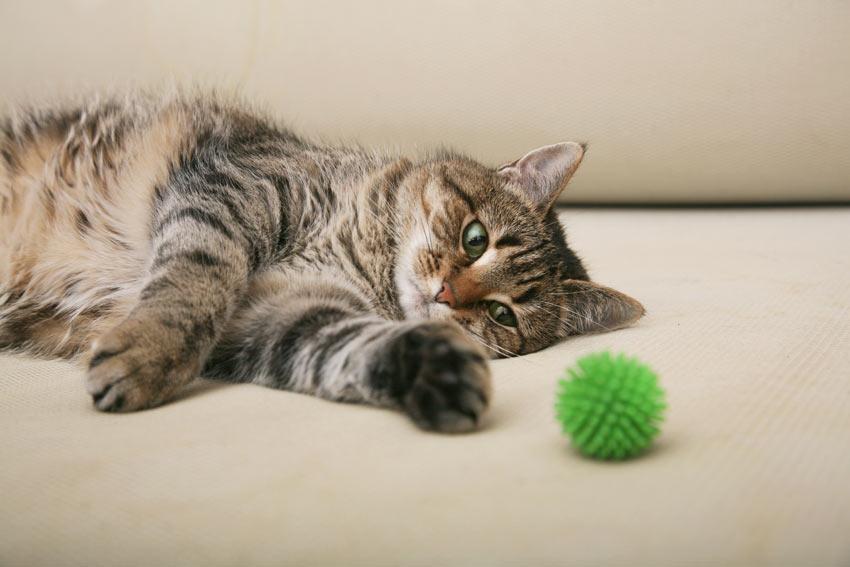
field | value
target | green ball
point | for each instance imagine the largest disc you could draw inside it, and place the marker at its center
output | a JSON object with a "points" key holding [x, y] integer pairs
{"points": [[610, 407]]}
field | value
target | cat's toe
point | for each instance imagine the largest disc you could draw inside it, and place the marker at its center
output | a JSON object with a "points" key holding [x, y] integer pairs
{"points": [[109, 397], [129, 372], [441, 409], [116, 381], [451, 388]]}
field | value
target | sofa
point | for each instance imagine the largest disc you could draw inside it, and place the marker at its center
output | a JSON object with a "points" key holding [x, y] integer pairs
{"points": [[715, 191]]}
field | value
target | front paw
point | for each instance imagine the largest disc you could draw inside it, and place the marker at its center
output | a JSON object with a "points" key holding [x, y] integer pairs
{"points": [[135, 366], [448, 380]]}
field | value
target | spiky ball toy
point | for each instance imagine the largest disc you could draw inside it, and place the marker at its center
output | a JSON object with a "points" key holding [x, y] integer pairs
{"points": [[610, 407]]}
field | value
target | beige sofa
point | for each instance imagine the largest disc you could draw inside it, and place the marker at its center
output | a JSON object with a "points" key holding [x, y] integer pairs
{"points": [[748, 317]]}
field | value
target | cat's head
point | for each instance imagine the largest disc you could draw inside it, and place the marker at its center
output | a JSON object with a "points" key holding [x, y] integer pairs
{"points": [[486, 249]]}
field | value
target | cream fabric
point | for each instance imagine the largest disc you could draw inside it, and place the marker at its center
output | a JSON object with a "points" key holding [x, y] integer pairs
{"points": [[748, 327], [707, 100]]}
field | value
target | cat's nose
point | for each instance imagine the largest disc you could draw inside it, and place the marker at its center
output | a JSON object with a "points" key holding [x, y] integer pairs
{"points": [[446, 295]]}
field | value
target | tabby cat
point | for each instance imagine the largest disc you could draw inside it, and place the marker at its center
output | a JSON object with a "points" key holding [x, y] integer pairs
{"points": [[156, 239]]}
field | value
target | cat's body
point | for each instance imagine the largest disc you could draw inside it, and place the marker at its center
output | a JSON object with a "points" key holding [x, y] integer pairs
{"points": [[158, 238]]}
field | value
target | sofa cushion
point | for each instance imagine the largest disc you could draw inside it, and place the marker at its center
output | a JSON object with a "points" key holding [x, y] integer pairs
{"points": [[748, 325]]}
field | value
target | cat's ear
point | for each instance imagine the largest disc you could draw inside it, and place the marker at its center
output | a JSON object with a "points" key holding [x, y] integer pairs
{"points": [[540, 175], [595, 308]]}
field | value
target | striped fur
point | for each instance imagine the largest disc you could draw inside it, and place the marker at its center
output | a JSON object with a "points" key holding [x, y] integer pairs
{"points": [[158, 238]]}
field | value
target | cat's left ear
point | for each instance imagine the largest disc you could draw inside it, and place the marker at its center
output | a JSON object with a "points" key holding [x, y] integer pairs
{"points": [[540, 175], [596, 308]]}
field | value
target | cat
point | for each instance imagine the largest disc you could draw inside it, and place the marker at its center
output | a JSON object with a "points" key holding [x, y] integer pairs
{"points": [[156, 238]]}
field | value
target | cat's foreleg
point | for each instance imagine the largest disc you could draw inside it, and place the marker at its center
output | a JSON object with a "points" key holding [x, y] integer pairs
{"points": [[198, 271], [318, 344]]}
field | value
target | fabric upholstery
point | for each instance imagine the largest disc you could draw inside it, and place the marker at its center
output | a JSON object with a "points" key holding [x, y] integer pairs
{"points": [[701, 101], [748, 325]]}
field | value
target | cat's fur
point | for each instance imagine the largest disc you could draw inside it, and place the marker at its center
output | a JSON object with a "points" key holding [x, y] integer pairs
{"points": [[159, 238]]}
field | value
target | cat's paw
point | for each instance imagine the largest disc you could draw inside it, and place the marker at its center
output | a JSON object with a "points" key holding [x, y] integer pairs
{"points": [[135, 366], [448, 380]]}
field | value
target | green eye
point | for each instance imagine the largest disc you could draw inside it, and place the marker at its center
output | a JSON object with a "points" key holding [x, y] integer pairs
{"points": [[502, 314], [474, 239]]}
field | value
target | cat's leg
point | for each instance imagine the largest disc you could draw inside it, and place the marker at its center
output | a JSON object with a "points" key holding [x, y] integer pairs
{"points": [[318, 342], [161, 345], [202, 255]]}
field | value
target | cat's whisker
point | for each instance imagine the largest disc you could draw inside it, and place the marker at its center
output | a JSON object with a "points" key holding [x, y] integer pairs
{"points": [[495, 348], [485, 345], [425, 232], [569, 324], [482, 340], [559, 293], [502, 351]]}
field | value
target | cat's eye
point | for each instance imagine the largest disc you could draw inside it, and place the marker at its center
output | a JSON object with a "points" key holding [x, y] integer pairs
{"points": [[502, 314], [474, 239]]}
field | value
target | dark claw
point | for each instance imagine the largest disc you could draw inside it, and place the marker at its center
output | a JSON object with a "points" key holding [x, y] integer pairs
{"points": [[117, 404], [100, 395]]}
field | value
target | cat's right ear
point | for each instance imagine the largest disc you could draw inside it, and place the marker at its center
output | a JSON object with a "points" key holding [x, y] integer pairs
{"points": [[540, 175]]}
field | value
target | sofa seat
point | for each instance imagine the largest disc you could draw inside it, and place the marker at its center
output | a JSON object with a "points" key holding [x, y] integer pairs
{"points": [[747, 325]]}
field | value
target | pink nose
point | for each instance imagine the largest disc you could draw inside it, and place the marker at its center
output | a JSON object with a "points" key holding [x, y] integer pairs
{"points": [[447, 295]]}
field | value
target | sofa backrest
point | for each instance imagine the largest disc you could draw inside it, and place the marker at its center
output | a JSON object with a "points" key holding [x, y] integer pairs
{"points": [[704, 101]]}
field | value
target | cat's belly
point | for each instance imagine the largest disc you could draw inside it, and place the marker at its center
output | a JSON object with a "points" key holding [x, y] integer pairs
{"points": [[63, 274], [65, 245], [74, 234]]}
